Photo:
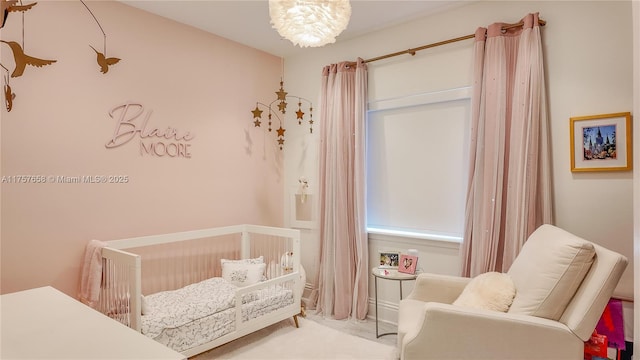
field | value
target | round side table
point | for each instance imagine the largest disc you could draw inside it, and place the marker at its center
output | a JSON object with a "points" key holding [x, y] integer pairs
{"points": [[388, 274]]}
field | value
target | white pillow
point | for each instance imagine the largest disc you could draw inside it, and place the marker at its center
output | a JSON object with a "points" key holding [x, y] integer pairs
{"points": [[489, 291], [258, 260], [144, 305], [242, 274]]}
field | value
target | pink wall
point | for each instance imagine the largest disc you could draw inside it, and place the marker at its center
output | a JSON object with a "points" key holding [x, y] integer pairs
{"points": [[185, 78]]}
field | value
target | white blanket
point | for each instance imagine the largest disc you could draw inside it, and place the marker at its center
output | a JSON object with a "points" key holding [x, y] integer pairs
{"points": [[172, 309]]}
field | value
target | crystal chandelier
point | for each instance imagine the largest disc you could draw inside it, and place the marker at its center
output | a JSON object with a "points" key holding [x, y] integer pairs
{"points": [[310, 23]]}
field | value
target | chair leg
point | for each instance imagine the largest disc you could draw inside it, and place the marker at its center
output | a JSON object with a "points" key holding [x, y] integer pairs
{"points": [[295, 319]]}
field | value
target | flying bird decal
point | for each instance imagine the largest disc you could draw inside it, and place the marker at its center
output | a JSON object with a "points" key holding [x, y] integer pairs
{"points": [[103, 61], [21, 8], [22, 59], [4, 10], [8, 95]]}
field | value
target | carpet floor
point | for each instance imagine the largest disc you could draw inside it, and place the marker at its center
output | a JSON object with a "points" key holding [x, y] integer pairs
{"points": [[311, 340]]}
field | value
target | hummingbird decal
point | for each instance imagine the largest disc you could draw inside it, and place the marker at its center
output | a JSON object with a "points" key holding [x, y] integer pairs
{"points": [[22, 59], [104, 61], [8, 94], [5, 5], [21, 8]]}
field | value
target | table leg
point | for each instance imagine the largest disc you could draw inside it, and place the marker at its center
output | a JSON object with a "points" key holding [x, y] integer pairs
{"points": [[376, 297], [376, 291]]}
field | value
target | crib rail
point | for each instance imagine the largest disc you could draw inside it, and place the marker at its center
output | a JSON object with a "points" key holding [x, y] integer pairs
{"points": [[120, 287]]}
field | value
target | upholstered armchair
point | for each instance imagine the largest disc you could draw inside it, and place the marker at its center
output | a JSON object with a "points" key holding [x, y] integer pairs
{"points": [[562, 285]]}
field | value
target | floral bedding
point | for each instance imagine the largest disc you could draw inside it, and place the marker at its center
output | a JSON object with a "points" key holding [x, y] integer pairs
{"points": [[201, 312]]}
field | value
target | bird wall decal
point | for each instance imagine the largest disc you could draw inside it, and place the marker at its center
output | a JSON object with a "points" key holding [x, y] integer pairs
{"points": [[21, 8], [4, 10], [8, 94], [22, 59], [104, 61]]}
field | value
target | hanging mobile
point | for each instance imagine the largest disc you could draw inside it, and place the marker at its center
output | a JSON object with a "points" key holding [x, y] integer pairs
{"points": [[281, 101], [103, 61], [21, 59]]}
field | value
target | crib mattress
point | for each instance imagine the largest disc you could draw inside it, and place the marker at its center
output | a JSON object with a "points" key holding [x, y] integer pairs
{"points": [[202, 312]]}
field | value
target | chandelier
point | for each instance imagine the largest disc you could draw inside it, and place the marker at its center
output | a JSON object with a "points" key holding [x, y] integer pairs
{"points": [[280, 102], [310, 23]]}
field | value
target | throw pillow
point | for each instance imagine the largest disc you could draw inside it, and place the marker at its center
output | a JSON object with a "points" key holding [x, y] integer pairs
{"points": [[144, 305], [489, 291], [258, 260], [548, 271], [242, 274]]}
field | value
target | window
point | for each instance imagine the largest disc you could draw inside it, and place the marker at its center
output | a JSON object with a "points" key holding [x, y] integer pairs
{"points": [[417, 164]]}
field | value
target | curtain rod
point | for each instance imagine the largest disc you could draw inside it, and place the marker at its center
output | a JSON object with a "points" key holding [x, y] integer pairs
{"points": [[471, 36]]}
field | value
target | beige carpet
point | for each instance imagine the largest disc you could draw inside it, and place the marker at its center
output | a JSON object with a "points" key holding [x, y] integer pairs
{"points": [[311, 341]]}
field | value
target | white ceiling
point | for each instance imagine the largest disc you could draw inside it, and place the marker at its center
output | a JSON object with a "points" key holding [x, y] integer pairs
{"points": [[247, 21]]}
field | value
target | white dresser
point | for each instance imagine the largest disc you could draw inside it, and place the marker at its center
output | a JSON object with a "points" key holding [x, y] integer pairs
{"points": [[44, 323]]}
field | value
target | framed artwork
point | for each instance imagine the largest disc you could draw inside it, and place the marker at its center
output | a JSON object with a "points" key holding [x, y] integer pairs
{"points": [[601, 142], [302, 210], [408, 264], [388, 259]]}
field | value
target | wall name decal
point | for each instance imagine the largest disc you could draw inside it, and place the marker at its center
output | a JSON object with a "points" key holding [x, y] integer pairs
{"points": [[130, 123]]}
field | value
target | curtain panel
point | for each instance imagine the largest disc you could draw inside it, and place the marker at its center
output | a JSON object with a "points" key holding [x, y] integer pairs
{"points": [[343, 276], [509, 190]]}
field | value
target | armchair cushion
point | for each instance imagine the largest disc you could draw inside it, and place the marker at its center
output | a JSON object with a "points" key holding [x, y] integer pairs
{"points": [[489, 291], [548, 271], [443, 331]]}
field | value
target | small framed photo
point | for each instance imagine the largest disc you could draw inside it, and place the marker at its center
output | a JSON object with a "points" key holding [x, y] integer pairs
{"points": [[601, 142], [389, 259], [408, 264]]}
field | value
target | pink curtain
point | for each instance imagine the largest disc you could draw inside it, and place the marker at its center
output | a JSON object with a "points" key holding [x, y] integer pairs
{"points": [[509, 193], [343, 278]]}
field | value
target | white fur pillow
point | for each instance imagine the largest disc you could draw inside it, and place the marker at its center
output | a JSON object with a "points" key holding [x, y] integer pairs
{"points": [[489, 291]]}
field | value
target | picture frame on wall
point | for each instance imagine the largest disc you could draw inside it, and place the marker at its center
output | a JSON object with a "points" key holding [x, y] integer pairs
{"points": [[388, 259], [302, 210], [601, 142], [408, 264]]}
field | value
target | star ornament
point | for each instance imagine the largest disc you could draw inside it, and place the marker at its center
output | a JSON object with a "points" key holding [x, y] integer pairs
{"points": [[282, 95], [299, 114], [257, 123], [282, 106], [257, 113], [281, 131]]}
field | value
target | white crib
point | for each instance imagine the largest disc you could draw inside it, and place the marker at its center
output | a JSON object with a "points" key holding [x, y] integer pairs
{"points": [[160, 265]]}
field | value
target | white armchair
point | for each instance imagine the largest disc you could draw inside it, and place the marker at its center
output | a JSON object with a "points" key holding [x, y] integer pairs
{"points": [[562, 282]]}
